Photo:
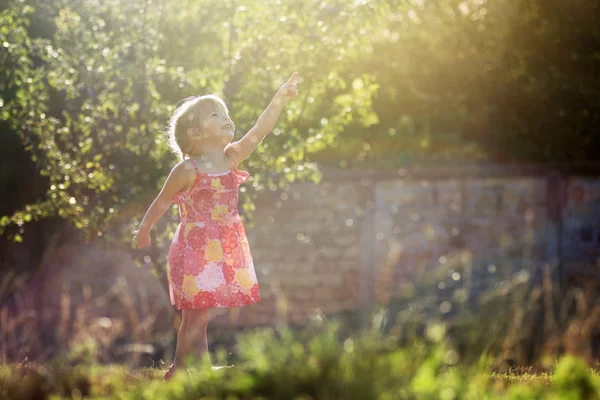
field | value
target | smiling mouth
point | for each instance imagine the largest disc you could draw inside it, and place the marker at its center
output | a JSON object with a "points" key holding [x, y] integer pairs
{"points": [[227, 126]]}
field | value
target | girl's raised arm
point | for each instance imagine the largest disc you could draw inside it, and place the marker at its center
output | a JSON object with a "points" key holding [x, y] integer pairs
{"points": [[265, 123], [178, 179]]}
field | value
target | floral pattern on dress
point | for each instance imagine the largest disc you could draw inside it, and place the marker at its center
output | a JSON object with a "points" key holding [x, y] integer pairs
{"points": [[209, 260]]}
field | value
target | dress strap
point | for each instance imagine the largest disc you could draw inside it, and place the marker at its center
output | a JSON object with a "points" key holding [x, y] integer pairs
{"points": [[196, 168]]}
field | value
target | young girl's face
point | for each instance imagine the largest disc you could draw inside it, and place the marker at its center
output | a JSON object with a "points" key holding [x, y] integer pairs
{"points": [[216, 124]]}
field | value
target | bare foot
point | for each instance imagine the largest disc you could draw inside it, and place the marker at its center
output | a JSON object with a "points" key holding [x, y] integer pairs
{"points": [[194, 370], [170, 372], [216, 368]]}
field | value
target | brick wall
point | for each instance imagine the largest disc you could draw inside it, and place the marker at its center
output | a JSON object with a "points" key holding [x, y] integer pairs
{"points": [[306, 247], [357, 237], [328, 248]]}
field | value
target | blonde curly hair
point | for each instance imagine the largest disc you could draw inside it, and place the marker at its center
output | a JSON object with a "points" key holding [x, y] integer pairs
{"points": [[189, 115]]}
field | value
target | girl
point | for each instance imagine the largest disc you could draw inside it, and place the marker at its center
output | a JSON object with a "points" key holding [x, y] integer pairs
{"points": [[209, 260]]}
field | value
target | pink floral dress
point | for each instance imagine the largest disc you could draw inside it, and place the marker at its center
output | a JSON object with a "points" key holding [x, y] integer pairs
{"points": [[209, 261]]}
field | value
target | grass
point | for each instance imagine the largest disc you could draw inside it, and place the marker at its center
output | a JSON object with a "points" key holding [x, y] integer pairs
{"points": [[282, 364], [116, 381]]}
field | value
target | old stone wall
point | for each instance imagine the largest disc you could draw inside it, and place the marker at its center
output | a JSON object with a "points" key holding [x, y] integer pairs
{"points": [[339, 246], [327, 248]]}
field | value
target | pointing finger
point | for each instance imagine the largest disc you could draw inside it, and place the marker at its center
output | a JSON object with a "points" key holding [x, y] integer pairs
{"points": [[292, 79]]}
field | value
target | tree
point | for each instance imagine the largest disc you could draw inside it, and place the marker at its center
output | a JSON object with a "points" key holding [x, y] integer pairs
{"points": [[103, 77], [93, 86]]}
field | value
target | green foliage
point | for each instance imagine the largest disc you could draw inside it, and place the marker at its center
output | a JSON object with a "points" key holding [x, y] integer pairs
{"points": [[108, 75], [64, 108], [474, 80], [89, 86], [573, 380], [28, 381], [319, 363]]}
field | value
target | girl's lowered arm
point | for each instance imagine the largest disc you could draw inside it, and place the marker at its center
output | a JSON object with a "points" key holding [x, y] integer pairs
{"points": [[177, 180]]}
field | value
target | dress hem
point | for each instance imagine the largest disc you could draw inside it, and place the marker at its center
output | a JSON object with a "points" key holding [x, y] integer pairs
{"points": [[203, 308]]}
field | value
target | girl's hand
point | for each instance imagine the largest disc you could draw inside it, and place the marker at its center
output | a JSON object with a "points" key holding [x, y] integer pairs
{"points": [[142, 239], [288, 91]]}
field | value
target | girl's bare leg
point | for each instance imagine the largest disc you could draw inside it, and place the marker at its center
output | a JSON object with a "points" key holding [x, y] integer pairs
{"points": [[197, 333], [199, 347], [182, 345]]}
